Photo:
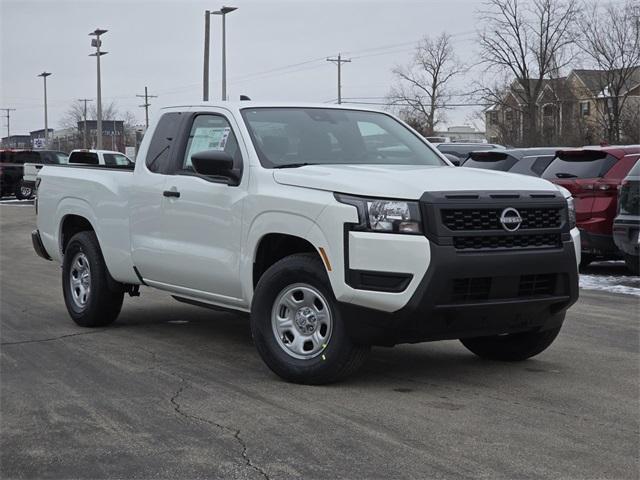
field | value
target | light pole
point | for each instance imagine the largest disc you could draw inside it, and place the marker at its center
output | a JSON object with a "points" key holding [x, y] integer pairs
{"points": [[96, 42], [205, 71], [223, 12], [44, 76]]}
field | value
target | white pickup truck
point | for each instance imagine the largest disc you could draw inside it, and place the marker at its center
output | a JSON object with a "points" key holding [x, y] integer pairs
{"points": [[336, 228]]}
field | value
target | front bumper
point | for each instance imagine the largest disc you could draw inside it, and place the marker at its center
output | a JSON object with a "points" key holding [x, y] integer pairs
{"points": [[625, 235], [598, 245], [469, 295]]}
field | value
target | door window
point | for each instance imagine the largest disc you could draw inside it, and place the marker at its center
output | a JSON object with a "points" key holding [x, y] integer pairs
{"points": [[211, 132]]}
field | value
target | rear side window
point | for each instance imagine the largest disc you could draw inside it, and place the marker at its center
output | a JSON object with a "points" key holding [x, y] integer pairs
{"points": [[533, 165], [635, 171], [159, 153], [87, 158], [580, 164], [114, 159], [490, 161]]}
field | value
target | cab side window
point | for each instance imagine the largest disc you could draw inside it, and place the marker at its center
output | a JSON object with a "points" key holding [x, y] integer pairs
{"points": [[211, 132], [160, 148]]}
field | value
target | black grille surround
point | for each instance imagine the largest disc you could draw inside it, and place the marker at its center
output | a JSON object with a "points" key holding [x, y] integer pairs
{"points": [[470, 221]]}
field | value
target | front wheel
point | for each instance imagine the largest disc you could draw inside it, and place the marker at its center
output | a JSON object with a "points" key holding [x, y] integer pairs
{"points": [[86, 283], [511, 347], [297, 326]]}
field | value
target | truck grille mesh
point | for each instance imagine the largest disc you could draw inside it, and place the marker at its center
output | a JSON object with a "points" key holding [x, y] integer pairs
{"points": [[464, 219], [501, 242]]}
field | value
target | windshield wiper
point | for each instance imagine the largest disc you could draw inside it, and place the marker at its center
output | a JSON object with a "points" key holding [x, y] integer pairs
{"points": [[295, 165], [566, 175]]}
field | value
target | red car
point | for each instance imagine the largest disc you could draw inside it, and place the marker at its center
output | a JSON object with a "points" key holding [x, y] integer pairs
{"points": [[594, 175]]}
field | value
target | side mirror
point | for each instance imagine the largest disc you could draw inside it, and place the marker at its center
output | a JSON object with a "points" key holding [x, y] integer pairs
{"points": [[212, 162]]}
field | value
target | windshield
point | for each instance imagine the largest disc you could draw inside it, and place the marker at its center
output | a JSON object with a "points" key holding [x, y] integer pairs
{"points": [[301, 136]]}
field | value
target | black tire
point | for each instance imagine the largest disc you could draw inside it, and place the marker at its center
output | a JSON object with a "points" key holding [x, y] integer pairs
{"points": [[104, 300], [23, 192], [513, 347], [633, 263], [586, 260], [340, 356]]}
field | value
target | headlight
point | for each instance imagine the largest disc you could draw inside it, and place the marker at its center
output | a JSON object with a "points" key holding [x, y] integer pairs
{"points": [[571, 210], [389, 216]]}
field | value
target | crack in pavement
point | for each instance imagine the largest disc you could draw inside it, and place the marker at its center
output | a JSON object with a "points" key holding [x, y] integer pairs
{"points": [[234, 432], [42, 340]]}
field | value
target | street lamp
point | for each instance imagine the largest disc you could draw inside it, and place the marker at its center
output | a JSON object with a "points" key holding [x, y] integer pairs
{"points": [[44, 76], [96, 42], [223, 12]]}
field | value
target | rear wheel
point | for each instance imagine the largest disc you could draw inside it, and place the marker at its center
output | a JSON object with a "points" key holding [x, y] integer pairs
{"points": [[297, 325], [23, 191], [511, 347], [86, 283]]}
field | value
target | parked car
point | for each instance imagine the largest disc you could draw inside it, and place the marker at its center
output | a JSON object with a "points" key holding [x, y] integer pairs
{"points": [[31, 170], [526, 161], [12, 169], [593, 175], [461, 150], [336, 228], [100, 157], [626, 225]]}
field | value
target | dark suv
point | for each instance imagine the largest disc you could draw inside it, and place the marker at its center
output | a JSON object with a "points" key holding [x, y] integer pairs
{"points": [[12, 168], [594, 175], [526, 161], [626, 226]]}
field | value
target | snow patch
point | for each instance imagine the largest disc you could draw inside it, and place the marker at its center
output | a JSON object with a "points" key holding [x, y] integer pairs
{"points": [[627, 285]]}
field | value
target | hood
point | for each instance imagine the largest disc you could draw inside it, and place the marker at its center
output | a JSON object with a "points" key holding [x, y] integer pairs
{"points": [[405, 181]]}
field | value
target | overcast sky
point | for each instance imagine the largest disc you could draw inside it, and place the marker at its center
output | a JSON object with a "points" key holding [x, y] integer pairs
{"points": [[160, 44]]}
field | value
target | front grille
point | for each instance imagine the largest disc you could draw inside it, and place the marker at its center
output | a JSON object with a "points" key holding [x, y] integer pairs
{"points": [[502, 242], [470, 289], [479, 289], [534, 285], [472, 219]]}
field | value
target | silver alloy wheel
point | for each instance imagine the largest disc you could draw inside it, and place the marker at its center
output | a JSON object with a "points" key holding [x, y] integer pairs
{"points": [[301, 321], [25, 191], [80, 280]]}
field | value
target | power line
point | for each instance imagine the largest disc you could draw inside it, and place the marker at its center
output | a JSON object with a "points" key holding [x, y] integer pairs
{"points": [[339, 61], [146, 105]]}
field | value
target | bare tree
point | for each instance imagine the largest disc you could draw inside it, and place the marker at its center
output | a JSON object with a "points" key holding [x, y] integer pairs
{"points": [[422, 90], [610, 41], [75, 113], [529, 41]]}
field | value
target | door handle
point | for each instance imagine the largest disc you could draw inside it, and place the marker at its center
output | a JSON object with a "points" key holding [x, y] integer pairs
{"points": [[171, 193]]}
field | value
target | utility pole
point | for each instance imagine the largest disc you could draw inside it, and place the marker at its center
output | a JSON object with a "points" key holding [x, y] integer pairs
{"points": [[84, 115], [96, 42], [44, 76], [146, 105], [8, 115], [339, 61], [205, 72]]}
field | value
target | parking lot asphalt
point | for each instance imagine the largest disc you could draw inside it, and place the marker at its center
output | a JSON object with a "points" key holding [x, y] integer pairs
{"points": [[174, 391]]}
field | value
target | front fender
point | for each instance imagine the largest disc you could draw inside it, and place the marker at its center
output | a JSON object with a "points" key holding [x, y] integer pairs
{"points": [[275, 222]]}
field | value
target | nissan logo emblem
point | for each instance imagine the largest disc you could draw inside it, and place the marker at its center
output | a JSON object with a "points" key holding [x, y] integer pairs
{"points": [[510, 219]]}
